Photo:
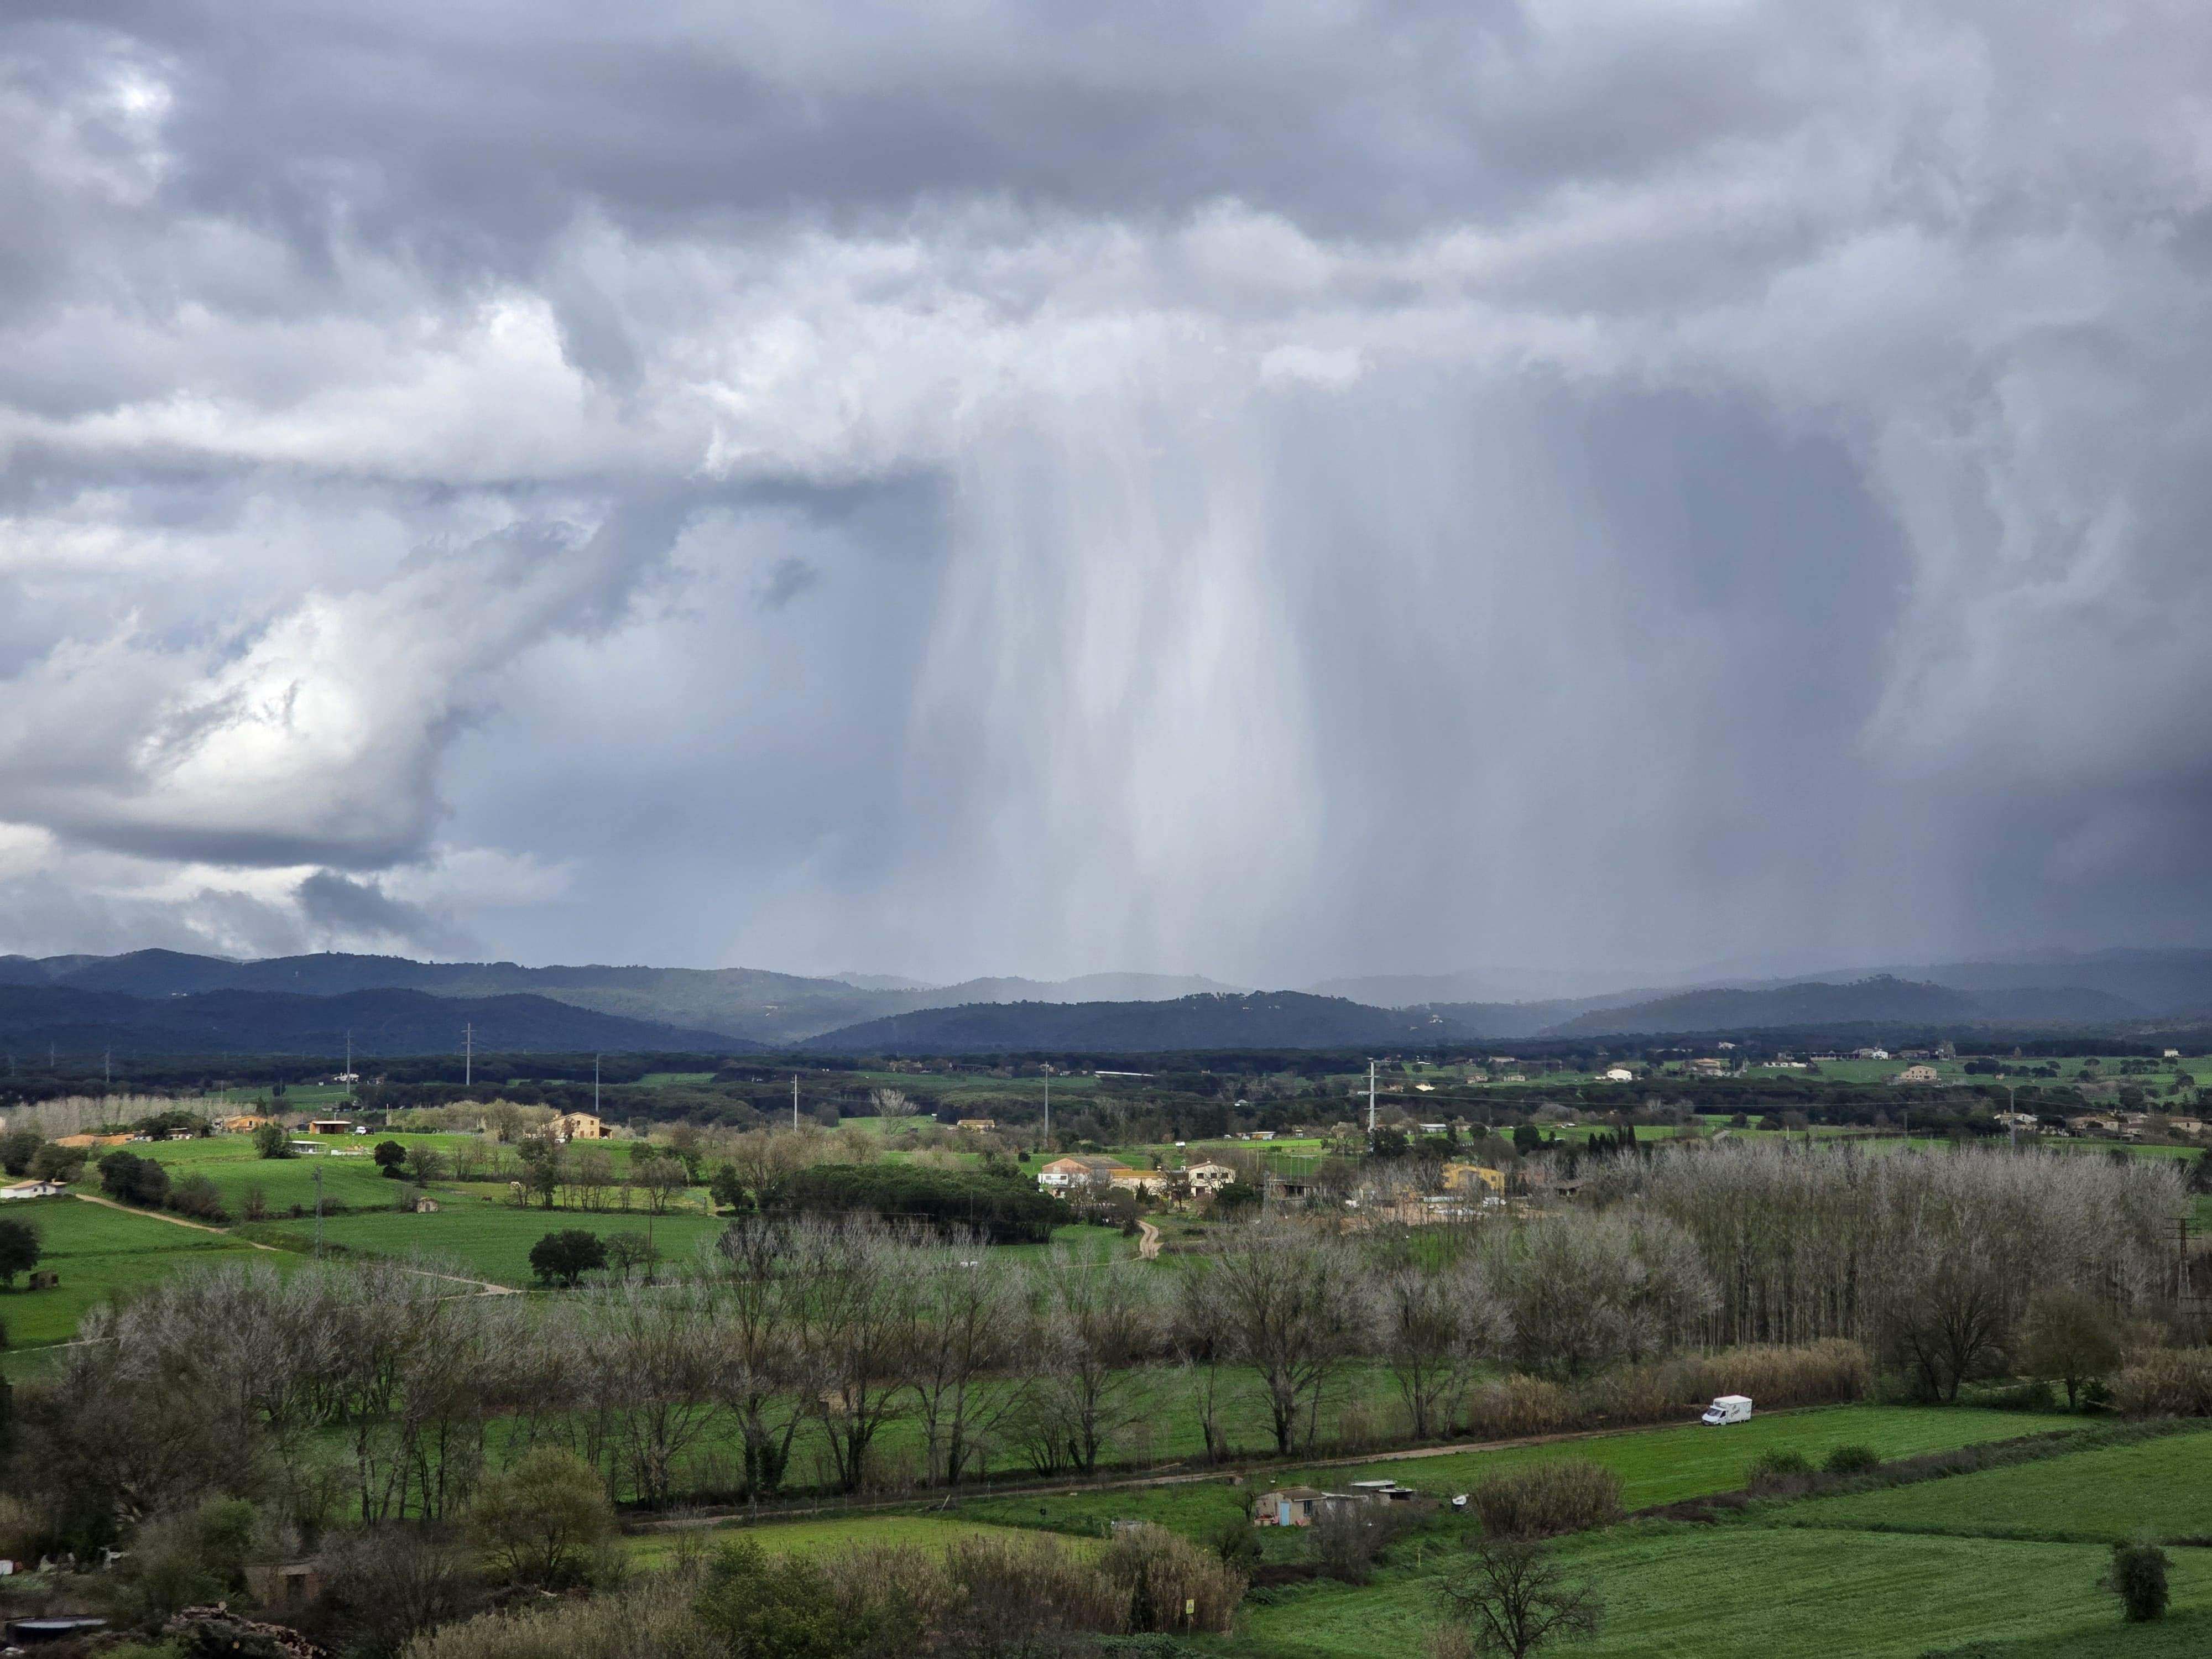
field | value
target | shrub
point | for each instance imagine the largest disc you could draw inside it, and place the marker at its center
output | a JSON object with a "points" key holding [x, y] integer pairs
{"points": [[1777, 1469], [655, 1618], [2137, 1576], [1012, 1591], [541, 1521], [1346, 1539], [1831, 1372], [1634, 1394], [1851, 1460], [2165, 1382], [784, 1609], [1004, 1211], [1556, 1495], [1162, 1573], [273, 1140], [198, 1197], [1517, 1407]]}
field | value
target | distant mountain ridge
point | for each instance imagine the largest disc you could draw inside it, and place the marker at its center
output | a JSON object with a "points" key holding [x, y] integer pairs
{"points": [[77, 1022], [1265, 1019], [751, 1004], [741, 1008], [1880, 998]]}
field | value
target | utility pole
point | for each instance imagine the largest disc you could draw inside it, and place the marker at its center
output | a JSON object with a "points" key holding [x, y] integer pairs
{"points": [[349, 1074], [319, 1213], [468, 1056], [1047, 1106], [1370, 1100], [794, 1100], [595, 1085], [107, 1068]]}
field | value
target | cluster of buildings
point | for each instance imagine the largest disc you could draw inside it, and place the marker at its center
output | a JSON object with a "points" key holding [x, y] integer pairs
{"points": [[1094, 1176]]}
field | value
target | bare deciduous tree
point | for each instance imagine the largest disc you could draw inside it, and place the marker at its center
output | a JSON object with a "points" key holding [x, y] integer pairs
{"points": [[1511, 1597], [1288, 1299]]}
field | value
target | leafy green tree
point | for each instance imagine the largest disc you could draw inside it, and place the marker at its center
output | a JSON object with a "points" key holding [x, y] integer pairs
{"points": [[2137, 1576], [134, 1180], [565, 1257], [273, 1140], [1527, 1138], [62, 1163], [784, 1609], [2068, 1338], [17, 1148], [19, 1250], [389, 1156], [542, 1521]]}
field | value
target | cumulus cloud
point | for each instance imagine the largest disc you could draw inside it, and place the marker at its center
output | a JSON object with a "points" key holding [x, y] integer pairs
{"points": [[1385, 487]]}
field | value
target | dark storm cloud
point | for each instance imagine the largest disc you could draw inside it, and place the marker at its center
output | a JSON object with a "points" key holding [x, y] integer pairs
{"points": [[341, 908], [1388, 486]]}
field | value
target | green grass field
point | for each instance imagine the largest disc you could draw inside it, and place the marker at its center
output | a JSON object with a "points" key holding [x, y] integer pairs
{"points": [[1752, 1592], [2001, 1565], [489, 1237], [823, 1537], [99, 1252], [2160, 1489], [1656, 1466]]}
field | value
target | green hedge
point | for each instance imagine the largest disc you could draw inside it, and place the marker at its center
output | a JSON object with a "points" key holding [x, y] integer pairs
{"points": [[1002, 1210]]}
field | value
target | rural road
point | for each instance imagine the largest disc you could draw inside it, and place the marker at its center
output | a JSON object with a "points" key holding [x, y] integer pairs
{"points": [[1232, 1474], [1148, 1245]]}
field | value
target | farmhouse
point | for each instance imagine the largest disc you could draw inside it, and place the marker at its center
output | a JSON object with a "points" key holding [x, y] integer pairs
{"points": [[33, 1189], [1064, 1174], [1473, 1178], [578, 1125], [336, 1125], [1151, 1183], [244, 1124], [1209, 1177], [1918, 1075], [977, 1123]]}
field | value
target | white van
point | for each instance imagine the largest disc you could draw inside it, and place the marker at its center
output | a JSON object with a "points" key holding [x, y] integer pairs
{"points": [[1729, 1408]]}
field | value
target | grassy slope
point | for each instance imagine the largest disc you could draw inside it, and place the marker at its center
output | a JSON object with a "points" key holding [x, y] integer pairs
{"points": [[2161, 1489], [98, 1251], [1943, 1580], [1752, 1592], [1657, 1466], [824, 1537]]}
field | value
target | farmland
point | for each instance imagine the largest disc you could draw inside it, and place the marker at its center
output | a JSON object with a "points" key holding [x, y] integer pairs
{"points": [[2007, 1560], [1918, 1568], [101, 1252]]}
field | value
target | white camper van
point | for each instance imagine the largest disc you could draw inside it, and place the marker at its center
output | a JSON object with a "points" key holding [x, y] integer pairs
{"points": [[1729, 1408]]}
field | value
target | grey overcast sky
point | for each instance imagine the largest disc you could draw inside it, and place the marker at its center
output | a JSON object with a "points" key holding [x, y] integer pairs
{"points": [[1269, 491]]}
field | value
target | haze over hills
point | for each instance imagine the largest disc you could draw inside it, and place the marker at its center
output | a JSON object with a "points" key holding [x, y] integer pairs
{"points": [[76, 1021], [131, 997], [1259, 1019]]}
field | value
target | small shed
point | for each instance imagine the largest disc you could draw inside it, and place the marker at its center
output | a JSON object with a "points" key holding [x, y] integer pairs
{"points": [[45, 1279], [1287, 1506]]}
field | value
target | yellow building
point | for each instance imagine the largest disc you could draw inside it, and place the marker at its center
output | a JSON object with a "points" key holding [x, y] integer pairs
{"points": [[1467, 1177]]}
